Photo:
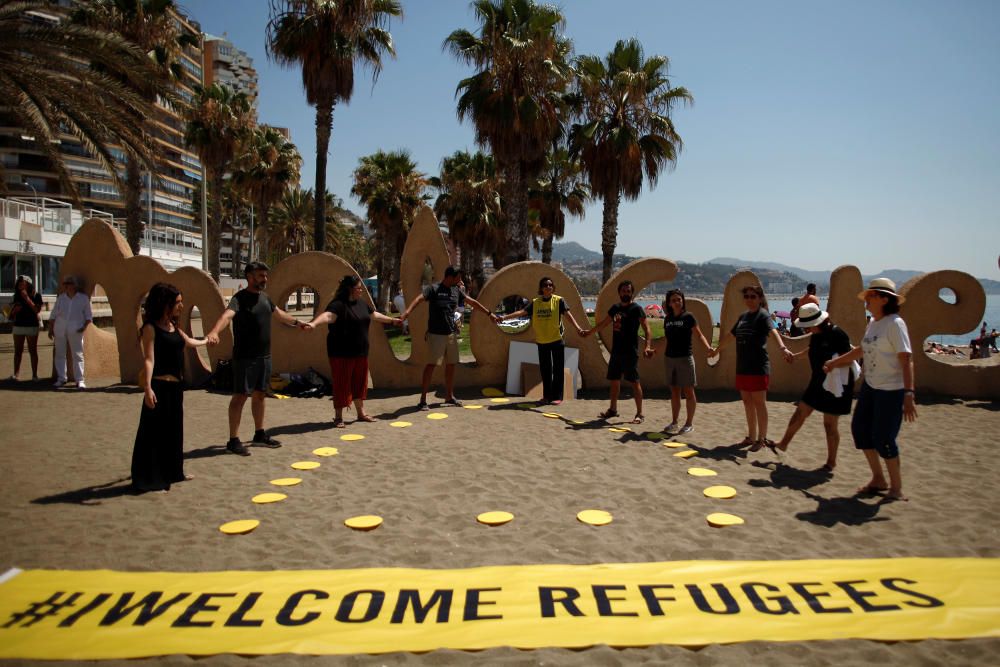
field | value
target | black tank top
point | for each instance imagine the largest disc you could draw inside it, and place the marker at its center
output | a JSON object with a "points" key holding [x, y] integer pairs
{"points": [[168, 353]]}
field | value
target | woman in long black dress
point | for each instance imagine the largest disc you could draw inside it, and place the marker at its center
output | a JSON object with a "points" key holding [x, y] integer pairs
{"points": [[828, 341], [158, 455]]}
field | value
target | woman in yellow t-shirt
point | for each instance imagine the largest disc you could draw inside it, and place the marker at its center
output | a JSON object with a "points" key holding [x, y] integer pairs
{"points": [[546, 312]]}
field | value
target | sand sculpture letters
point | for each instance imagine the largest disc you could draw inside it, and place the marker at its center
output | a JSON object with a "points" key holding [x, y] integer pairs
{"points": [[99, 255]]}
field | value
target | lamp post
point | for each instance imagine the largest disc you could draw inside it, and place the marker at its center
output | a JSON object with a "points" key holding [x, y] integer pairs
{"points": [[24, 181]]}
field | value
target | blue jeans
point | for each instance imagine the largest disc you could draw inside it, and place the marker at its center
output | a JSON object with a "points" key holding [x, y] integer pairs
{"points": [[878, 415]]}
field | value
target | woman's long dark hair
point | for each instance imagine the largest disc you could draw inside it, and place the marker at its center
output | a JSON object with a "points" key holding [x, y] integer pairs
{"points": [[666, 302], [29, 286], [347, 283], [161, 297]]}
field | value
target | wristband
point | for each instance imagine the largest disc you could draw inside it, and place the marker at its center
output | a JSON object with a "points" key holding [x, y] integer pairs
{"points": [[909, 391]]}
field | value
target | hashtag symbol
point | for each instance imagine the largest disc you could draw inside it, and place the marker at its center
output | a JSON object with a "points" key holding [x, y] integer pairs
{"points": [[39, 611]]}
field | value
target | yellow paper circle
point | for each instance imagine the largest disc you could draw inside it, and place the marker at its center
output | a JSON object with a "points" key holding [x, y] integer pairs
{"points": [[675, 445], [363, 522], [654, 436], [305, 465], [619, 429], [595, 517], [720, 519], [579, 421], [720, 492], [438, 415], [401, 424], [326, 451], [702, 472], [552, 415], [499, 400], [492, 392], [473, 407], [265, 498], [494, 518], [686, 454], [241, 527], [348, 437], [287, 481]]}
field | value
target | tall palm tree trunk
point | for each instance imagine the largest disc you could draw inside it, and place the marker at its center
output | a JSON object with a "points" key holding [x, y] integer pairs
{"points": [[516, 231], [547, 249], [215, 225], [133, 204], [609, 232], [265, 232], [324, 126]]}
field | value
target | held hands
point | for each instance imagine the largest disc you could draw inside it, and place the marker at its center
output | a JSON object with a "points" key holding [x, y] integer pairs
{"points": [[789, 357], [307, 326], [496, 318], [713, 352], [212, 338]]}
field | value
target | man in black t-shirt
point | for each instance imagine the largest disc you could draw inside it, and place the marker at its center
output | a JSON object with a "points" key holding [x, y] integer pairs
{"points": [[250, 311], [626, 316], [445, 303]]}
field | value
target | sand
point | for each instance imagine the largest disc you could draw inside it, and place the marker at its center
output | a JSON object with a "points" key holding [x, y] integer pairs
{"points": [[65, 501]]}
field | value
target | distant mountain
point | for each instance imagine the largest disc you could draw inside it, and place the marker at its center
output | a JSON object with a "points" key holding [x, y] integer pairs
{"points": [[570, 252], [818, 277]]}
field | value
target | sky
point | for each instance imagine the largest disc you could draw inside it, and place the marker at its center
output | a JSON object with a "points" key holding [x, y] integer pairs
{"points": [[822, 133]]}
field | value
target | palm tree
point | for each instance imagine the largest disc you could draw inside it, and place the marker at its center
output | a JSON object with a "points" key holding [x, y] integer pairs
{"points": [[626, 132], [268, 166], [392, 189], [469, 202], [514, 98], [60, 79], [289, 227], [326, 38], [559, 190], [149, 24], [218, 123]]}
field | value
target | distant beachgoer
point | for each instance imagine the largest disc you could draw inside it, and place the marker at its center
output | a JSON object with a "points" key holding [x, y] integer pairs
{"points": [[753, 367], [809, 296], [444, 301], [546, 312], [158, 453], [678, 327], [25, 306], [794, 331], [626, 316], [828, 394], [70, 317], [887, 394], [993, 340], [349, 317], [250, 311]]}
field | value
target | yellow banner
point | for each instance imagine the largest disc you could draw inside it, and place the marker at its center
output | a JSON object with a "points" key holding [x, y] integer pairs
{"points": [[103, 614]]}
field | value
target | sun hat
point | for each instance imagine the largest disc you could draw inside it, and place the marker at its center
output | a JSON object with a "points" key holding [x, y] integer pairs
{"points": [[883, 286], [811, 315]]}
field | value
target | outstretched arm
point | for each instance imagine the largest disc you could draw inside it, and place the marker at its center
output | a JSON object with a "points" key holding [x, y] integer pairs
{"points": [[781, 345], [475, 304], [597, 327], [213, 336], [409, 309]]}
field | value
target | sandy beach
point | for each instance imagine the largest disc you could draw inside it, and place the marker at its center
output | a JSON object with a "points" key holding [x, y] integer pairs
{"points": [[66, 502]]}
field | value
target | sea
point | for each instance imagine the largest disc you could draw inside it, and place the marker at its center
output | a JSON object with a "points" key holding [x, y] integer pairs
{"points": [[991, 315]]}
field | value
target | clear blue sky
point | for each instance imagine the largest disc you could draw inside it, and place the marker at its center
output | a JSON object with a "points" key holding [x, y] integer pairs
{"points": [[823, 133]]}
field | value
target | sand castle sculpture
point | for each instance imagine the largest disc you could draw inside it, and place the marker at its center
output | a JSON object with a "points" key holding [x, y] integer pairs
{"points": [[99, 255]]}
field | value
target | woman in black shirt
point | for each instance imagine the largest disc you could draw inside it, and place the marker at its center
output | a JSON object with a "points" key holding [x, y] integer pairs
{"points": [[24, 311], [348, 317], [158, 455]]}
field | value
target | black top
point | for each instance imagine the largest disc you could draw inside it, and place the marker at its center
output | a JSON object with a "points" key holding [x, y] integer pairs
{"points": [[26, 315], [168, 352], [625, 339], [442, 303], [825, 344], [677, 331], [348, 335], [751, 330], [251, 324]]}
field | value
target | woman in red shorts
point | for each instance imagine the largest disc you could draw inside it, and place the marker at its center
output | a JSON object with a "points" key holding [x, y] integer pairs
{"points": [[348, 317], [753, 368]]}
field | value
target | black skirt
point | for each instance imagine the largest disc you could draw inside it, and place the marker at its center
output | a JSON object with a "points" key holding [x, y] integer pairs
{"points": [[818, 398], [158, 455]]}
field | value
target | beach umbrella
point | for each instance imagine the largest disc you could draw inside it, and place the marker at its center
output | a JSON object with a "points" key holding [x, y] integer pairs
{"points": [[784, 314]]}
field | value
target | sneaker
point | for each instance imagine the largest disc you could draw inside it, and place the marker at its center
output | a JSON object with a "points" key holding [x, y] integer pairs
{"points": [[264, 440], [12, 378], [423, 407], [236, 447], [671, 429], [687, 428], [453, 401], [81, 385], [59, 383]]}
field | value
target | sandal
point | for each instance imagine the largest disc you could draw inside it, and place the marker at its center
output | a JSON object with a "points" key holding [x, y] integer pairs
{"points": [[760, 444], [746, 442], [638, 419], [366, 418], [339, 423], [608, 414]]}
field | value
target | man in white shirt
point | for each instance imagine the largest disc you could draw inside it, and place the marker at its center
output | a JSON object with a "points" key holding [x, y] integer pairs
{"points": [[69, 319]]}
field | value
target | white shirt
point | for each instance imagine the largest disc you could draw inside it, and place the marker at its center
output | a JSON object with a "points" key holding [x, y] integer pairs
{"points": [[884, 340], [71, 313]]}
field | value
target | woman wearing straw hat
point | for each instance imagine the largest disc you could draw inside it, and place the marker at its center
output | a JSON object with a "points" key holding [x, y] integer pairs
{"points": [[887, 394], [830, 394]]}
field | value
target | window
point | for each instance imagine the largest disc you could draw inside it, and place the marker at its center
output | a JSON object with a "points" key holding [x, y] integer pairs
{"points": [[7, 275], [50, 275]]}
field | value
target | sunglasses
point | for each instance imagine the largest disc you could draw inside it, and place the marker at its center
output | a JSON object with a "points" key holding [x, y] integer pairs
{"points": [[750, 296], [548, 285]]}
